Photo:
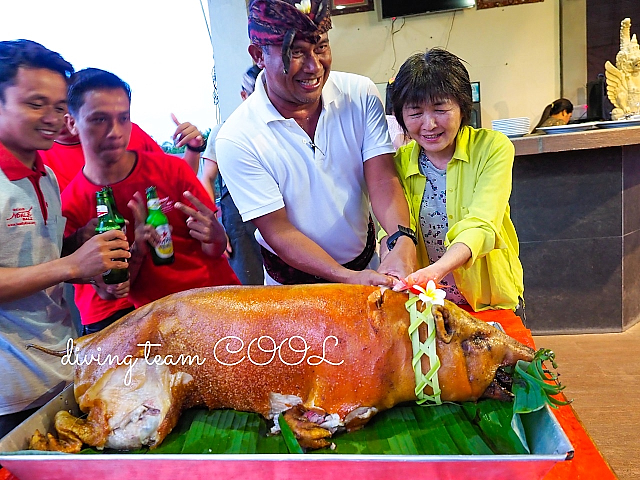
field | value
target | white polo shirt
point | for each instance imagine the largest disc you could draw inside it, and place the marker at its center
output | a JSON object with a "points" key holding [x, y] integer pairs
{"points": [[269, 162]]}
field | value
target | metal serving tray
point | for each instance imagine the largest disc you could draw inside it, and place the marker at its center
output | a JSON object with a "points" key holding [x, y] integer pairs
{"points": [[547, 441]]}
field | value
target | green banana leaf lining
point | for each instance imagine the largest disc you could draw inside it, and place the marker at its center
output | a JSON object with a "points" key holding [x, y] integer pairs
{"points": [[482, 428]]}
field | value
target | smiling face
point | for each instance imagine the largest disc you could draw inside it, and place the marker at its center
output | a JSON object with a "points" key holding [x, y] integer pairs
{"points": [[32, 113], [103, 123], [434, 126], [302, 85]]}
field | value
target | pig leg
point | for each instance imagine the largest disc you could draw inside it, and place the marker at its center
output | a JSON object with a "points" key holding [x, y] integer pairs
{"points": [[73, 432], [312, 428], [308, 432]]}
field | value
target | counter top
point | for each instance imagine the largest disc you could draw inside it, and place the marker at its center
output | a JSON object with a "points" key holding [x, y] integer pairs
{"points": [[586, 140]]}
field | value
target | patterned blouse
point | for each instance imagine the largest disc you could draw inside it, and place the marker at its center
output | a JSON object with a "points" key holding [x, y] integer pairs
{"points": [[434, 222]]}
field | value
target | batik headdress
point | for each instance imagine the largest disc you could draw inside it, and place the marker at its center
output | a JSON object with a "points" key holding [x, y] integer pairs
{"points": [[275, 22]]}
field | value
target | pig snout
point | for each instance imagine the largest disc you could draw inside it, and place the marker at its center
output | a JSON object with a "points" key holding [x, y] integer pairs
{"points": [[474, 352]]}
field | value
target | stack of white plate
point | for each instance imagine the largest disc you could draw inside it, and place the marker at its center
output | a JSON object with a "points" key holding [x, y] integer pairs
{"points": [[512, 127]]}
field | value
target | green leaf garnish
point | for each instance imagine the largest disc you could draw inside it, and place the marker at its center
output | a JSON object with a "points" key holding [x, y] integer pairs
{"points": [[288, 436], [534, 386], [447, 429]]}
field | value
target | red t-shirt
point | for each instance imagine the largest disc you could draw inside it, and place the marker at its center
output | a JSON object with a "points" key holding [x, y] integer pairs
{"points": [[67, 160], [192, 267]]}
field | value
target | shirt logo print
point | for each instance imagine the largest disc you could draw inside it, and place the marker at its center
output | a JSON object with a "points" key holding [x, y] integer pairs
{"points": [[21, 216]]}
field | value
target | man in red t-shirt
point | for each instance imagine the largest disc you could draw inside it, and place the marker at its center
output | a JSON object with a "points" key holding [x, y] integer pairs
{"points": [[66, 159], [99, 104]]}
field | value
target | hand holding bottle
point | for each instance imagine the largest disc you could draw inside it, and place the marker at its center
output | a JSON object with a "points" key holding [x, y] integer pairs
{"points": [[99, 254], [108, 220], [162, 251], [110, 292], [145, 235]]}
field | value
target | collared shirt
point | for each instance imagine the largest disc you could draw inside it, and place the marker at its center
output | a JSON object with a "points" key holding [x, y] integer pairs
{"points": [[14, 169], [30, 234], [269, 162], [478, 190]]}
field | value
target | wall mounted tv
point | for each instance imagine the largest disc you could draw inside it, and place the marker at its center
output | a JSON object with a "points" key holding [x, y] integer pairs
{"points": [[403, 8]]}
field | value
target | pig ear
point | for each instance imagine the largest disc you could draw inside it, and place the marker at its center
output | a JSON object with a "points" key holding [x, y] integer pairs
{"points": [[444, 328]]}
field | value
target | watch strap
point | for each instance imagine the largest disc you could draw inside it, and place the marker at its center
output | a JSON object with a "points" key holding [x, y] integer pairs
{"points": [[199, 149], [407, 232]]}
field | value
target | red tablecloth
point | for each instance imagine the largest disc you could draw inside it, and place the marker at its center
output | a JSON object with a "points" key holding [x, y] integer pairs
{"points": [[587, 462]]}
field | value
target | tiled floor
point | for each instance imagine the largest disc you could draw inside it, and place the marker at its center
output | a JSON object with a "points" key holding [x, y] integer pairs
{"points": [[602, 376]]}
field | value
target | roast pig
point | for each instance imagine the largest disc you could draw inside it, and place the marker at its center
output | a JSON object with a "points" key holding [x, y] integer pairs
{"points": [[340, 351]]}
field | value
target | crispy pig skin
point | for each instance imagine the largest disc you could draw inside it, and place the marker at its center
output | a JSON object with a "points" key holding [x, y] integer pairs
{"points": [[371, 332], [373, 349]]}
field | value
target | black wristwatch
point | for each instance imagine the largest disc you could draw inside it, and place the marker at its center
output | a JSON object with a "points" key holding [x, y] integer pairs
{"points": [[391, 241], [199, 149]]}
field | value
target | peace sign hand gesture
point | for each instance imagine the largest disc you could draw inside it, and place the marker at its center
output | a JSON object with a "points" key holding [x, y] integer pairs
{"points": [[203, 225]]}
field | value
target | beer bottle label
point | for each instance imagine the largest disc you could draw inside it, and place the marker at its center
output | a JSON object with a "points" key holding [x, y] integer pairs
{"points": [[102, 210], [153, 204], [165, 247]]}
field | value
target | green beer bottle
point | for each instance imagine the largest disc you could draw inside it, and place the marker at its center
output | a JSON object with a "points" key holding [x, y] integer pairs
{"points": [[106, 222], [116, 213], [162, 254]]}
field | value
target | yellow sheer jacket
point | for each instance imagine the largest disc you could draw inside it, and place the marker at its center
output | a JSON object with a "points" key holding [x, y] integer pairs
{"points": [[478, 189]]}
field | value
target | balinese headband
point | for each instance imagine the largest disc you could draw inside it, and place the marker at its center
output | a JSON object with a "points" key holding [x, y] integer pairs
{"points": [[280, 22]]}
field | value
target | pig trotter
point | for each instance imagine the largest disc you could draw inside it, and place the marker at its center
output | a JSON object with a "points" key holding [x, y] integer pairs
{"points": [[72, 433], [306, 429]]}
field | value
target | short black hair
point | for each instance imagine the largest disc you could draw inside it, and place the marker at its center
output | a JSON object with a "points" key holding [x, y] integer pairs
{"points": [[90, 79], [432, 76], [28, 54], [388, 105]]}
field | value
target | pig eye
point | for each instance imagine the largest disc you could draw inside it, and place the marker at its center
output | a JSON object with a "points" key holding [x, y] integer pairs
{"points": [[477, 341]]}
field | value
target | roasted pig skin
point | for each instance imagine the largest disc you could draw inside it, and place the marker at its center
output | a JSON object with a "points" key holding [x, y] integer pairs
{"points": [[358, 355]]}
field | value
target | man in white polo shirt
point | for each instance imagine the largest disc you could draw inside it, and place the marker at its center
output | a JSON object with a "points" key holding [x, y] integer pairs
{"points": [[303, 155]]}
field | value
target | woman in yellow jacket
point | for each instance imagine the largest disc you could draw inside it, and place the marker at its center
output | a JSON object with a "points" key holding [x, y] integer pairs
{"points": [[457, 181]]}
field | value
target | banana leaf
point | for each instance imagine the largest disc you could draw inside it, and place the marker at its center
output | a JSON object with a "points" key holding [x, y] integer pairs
{"points": [[482, 428]]}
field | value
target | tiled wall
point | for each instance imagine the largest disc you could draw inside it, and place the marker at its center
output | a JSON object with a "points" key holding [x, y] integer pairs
{"points": [[579, 233]]}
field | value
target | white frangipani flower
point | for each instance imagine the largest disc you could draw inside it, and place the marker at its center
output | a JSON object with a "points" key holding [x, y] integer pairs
{"points": [[431, 294], [304, 6]]}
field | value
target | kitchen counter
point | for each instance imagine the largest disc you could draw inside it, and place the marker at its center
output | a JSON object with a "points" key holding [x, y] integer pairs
{"points": [[576, 207], [586, 140]]}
